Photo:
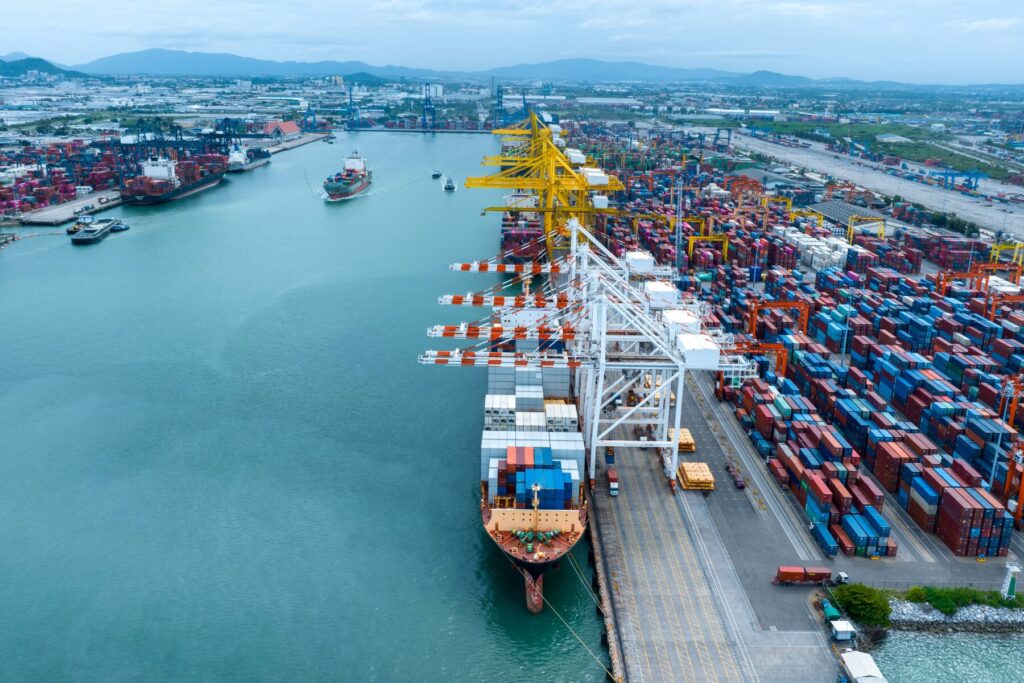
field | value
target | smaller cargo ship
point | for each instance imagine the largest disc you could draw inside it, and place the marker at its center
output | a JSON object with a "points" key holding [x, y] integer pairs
{"points": [[242, 158], [436, 174], [164, 180], [94, 231], [353, 179]]}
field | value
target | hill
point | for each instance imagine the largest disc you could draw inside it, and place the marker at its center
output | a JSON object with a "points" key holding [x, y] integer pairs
{"points": [[19, 67]]}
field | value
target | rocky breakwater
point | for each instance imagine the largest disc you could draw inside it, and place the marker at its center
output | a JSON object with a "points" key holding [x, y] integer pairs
{"points": [[914, 616]]}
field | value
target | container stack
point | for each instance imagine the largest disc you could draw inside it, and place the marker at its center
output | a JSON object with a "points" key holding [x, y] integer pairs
{"points": [[499, 412]]}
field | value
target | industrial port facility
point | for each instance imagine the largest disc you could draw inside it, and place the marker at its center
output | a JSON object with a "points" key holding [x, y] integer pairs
{"points": [[872, 408], [737, 358]]}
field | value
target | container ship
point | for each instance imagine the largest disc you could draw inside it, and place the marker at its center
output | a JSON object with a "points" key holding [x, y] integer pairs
{"points": [[242, 158], [532, 462], [353, 179], [164, 180], [521, 230]]}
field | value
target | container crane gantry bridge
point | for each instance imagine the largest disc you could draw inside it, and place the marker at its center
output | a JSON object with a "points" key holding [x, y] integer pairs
{"points": [[535, 163], [614, 340]]}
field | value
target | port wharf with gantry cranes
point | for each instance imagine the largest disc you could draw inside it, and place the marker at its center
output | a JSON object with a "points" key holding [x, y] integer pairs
{"points": [[723, 388]]}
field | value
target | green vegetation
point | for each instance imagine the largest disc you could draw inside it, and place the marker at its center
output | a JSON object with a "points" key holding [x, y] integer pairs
{"points": [[920, 149], [859, 132], [949, 600], [864, 604], [952, 222]]}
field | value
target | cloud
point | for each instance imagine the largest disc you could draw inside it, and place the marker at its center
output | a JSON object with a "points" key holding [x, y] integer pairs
{"points": [[804, 9], [743, 54], [624, 38], [983, 25], [605, 23]]}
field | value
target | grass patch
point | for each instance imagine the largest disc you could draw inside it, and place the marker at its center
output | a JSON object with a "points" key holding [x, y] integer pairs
{"points": [[949, 600]]}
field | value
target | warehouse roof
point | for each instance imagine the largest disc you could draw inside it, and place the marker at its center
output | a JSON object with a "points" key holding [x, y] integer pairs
{"points": [[840, 212]]}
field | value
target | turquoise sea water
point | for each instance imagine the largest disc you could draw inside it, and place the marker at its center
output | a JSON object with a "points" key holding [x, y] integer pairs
{"points": [[220, 459], [910, 657]]}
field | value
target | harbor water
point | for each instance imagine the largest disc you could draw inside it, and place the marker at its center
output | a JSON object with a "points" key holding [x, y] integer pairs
{"points": [[220, 460], [912, 657]]}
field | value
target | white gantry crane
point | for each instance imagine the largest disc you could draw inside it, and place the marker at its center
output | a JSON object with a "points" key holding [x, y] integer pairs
{"points": [[628, 339]]}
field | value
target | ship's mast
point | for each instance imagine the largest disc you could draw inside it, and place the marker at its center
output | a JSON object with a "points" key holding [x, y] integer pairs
{"points": [[536, 506]]}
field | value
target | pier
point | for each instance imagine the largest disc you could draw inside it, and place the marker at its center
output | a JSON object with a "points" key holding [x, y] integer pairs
{"points": [[676, 603], [94, 202]]}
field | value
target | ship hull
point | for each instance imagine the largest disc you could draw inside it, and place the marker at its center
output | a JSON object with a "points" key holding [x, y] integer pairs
{"points": [[533, 566], [177, 193], [350, 192]]}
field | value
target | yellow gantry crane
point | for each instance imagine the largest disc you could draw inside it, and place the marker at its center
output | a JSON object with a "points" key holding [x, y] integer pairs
{"points": [[1016, 257], [807, 213], [532, 161], [854, 221]]}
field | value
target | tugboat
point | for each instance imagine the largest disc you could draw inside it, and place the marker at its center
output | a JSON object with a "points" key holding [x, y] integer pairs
{"points": [[350, 181], [436, 174], [93, 232], [449, 184], [79, 224], [119, 226]]}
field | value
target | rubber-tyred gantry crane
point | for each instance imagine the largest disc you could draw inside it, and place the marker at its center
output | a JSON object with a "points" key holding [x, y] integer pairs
{"points": [[757, 306]]}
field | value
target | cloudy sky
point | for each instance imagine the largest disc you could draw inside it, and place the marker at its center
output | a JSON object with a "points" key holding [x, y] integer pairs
{"points": [[934, 41]]}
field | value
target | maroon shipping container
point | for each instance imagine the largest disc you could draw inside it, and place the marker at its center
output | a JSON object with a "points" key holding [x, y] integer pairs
{"points": [[841, 496]]}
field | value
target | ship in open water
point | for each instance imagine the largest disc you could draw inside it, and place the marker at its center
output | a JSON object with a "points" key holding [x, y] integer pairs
{"points": [[353, 179]]}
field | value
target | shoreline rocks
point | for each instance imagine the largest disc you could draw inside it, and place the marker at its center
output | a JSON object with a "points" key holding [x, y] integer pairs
{"points": [[911, 616]]}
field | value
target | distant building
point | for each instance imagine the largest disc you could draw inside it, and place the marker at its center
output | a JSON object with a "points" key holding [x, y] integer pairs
{"points": [[282, 131], [891, 138], [435, 90], [243, 86]]}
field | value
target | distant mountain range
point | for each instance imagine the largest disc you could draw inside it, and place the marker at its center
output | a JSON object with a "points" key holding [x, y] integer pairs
{"points": [[162, 62]]}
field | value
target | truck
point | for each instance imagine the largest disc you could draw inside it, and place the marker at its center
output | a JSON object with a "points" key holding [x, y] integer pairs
{"points": [[807, 576], [613, 481]]}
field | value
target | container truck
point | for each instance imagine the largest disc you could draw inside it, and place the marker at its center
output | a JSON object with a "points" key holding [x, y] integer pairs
{"points": [[789, 576]]}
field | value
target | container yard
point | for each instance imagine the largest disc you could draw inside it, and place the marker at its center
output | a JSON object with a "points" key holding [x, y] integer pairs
{"points": [[861, 372]]}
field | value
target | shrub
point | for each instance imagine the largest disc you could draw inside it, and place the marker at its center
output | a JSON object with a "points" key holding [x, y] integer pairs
{"points": [[949, 600], [864, 604], [916, 594]]}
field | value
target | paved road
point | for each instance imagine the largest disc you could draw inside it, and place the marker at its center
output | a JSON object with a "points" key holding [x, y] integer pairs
{"points": [[1009, 218]]}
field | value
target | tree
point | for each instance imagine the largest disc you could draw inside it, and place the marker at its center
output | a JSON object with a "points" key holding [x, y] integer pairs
{"points": [[864, 604]]}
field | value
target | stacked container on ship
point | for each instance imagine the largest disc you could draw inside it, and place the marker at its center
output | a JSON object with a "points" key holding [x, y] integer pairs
{"points": [[163, 179], [353, 179], [532, 464]]}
